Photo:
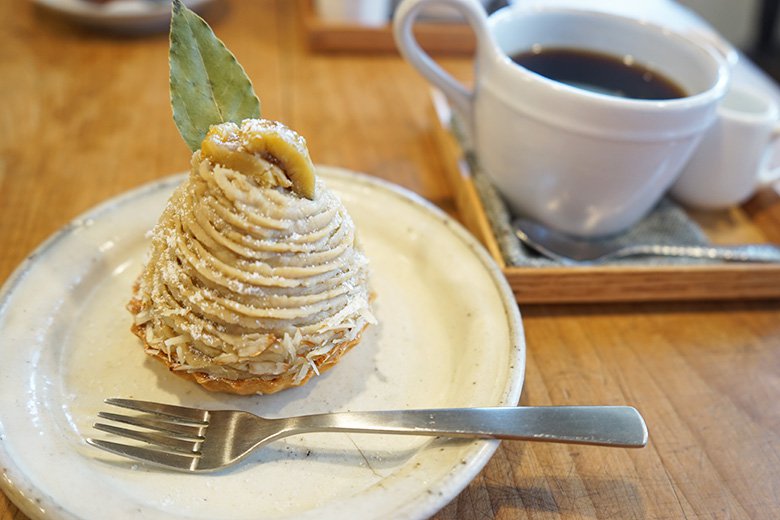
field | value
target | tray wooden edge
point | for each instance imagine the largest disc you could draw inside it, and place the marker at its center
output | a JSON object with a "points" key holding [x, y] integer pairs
{"points": [[644, 284], [598, 283]]}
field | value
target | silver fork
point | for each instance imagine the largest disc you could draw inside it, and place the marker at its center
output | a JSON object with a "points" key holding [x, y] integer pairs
{"points": [[196, 440]]}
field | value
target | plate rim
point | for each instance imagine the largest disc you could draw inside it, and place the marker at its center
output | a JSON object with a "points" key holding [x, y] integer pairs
{"points": [[37, 504]]}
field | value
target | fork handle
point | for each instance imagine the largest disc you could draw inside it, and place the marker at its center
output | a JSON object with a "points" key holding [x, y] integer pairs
{"points": [[621, 426]]}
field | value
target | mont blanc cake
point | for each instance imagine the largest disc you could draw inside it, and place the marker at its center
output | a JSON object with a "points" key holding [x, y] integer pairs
{"points": [[255, 280]]}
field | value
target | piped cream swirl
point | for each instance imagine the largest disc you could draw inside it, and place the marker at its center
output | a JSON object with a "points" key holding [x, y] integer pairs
{"points": [[251, 280]]}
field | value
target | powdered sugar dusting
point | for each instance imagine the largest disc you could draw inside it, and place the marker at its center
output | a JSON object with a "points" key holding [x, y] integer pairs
{"points": [[246, 280]]}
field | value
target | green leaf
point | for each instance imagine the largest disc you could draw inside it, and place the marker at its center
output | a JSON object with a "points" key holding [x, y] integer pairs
{"points": [[208, 85]]}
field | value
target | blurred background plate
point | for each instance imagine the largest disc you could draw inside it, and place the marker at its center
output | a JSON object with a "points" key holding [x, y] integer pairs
{"points": [[125, 16]]}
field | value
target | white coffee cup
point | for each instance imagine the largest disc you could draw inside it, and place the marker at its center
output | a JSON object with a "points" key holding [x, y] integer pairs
{"points": [[585, 163], [732, 161]]}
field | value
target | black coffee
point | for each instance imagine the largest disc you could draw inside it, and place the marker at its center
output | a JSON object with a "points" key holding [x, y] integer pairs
{"points": [[598, 72]]}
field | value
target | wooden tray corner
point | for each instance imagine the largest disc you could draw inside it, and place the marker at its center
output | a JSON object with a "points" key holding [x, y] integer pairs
{"points": [[756, 221]]}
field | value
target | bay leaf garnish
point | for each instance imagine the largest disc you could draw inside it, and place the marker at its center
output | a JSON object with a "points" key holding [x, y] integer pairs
{"points": [[207, 84]]}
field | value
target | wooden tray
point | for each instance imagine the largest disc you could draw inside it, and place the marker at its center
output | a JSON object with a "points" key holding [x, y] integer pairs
{"points": [[756, 221], [436, 38]]}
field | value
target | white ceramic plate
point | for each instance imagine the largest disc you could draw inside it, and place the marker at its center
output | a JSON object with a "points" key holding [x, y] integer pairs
{"points": [[449, 334], [119, 15]]}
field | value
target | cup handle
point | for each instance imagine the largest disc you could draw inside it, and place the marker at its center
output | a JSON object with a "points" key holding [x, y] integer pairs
{"points": [[771, 176], [403, 23]]}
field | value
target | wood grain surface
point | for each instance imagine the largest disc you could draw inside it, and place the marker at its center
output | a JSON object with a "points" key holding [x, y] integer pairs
{"points": [[85, 116]]}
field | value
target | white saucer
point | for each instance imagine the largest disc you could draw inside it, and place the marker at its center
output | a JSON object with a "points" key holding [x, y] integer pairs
{"points": [[449, 334]]}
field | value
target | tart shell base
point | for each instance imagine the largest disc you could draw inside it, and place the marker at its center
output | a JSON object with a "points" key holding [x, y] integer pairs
{"points": [[251, 385]]}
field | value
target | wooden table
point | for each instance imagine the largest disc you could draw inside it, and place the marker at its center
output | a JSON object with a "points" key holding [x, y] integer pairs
{"points": [[85, 117]]}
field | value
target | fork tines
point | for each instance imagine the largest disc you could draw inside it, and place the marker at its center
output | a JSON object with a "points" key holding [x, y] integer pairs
{"points": [[176, 413], [174, 433]]}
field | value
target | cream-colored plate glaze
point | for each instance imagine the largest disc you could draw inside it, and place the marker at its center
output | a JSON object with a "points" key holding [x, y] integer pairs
{"points": [[449, 334]]}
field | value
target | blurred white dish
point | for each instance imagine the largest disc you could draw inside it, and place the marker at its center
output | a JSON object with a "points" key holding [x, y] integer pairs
{"points": [[119, 15], [445, 13], [368, 13]]}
